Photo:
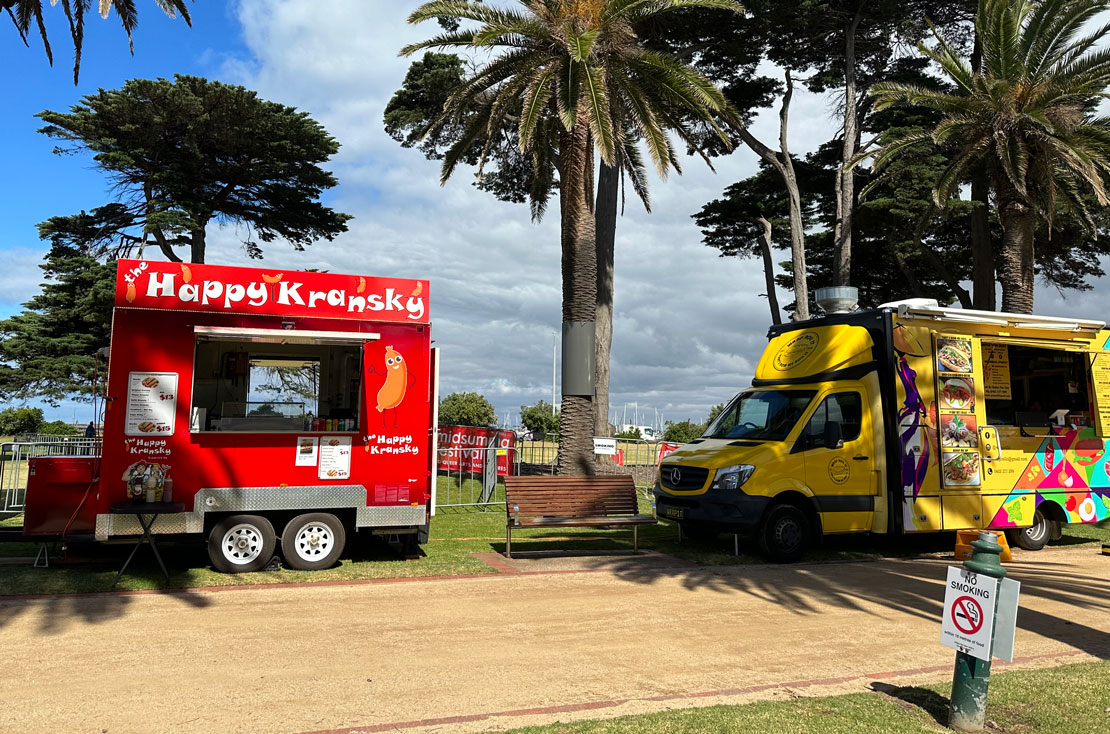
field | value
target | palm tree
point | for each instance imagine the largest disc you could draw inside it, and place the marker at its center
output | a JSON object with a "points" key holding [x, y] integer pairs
{"points": [[1026, 117], [576, 78], [27, 11]]}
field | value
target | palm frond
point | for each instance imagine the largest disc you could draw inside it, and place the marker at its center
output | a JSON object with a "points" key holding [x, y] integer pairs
{"points": [[1013, 155], [567, 88], [601, 122], [949, 60], [1067, 21], [580, 44], [535, 101], [462, 10], [632, 164], [643, 118], [637, 11], [460, 38]]}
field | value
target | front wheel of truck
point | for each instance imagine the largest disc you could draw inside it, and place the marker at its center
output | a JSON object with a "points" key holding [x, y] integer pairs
{"points": [[1037, 535], [784, 534]]}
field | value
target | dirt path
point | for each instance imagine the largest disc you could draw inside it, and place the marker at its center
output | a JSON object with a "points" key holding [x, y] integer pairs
{"points": [[631, 634]]}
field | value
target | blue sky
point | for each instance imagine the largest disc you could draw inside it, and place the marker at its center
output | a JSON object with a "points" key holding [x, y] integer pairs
{"points": [[40, 184], [688, 326]]}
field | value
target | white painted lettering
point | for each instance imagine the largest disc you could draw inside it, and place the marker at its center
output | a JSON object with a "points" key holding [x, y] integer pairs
{"points": [[335, 297], [393, 301], [356, 303], [212, 290], [415, 307], [288, 293], [189, 293], [235, 293], [314, 296], [160, 285], [374, 303]]}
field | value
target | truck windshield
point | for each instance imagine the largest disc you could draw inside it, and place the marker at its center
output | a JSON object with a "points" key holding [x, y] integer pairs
{"points": [[764, 415]]}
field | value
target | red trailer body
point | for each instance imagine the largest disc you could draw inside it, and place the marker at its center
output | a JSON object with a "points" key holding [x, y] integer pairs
{"points": [[245, 390]]}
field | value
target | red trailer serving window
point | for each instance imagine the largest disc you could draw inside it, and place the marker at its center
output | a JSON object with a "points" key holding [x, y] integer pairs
{"points": [[267, 393]]}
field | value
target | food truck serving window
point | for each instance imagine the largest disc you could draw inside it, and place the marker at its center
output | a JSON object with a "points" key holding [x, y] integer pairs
{"points": [[1024, 385], [269, 380]]}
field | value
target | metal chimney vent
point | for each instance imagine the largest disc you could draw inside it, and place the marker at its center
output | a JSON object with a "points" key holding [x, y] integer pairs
{"points": [[837, 299]]}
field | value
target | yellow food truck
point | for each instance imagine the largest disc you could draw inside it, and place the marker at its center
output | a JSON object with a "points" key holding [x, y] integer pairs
{"points": [[902, 419]]}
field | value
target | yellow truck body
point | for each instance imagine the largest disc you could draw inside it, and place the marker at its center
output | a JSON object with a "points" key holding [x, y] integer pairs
{"points": [[904, 419]]}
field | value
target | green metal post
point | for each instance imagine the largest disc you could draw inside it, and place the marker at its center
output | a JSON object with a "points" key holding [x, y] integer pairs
{"points": [[972, 676]]}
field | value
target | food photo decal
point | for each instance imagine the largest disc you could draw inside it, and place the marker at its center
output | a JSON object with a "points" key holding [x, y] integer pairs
{"points": [[954, 355]]}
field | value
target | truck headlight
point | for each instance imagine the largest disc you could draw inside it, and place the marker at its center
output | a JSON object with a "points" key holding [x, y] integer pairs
{"points": [[731, 477]]}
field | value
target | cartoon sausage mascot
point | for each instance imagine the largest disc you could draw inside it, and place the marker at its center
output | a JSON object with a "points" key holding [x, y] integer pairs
{"points": [[396, 383]]}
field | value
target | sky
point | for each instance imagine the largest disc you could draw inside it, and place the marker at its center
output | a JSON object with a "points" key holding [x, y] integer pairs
{"points": [[688, 327]]}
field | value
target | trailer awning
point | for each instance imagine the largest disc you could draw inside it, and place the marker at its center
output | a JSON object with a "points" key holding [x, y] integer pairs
{"points": [[282, 336]]}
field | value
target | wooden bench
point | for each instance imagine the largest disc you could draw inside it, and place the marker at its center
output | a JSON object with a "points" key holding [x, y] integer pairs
{"points": [[546, 502]]}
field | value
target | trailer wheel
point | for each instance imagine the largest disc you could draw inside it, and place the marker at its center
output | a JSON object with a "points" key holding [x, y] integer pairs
{"points": [[313, 541], [241, 543], [784, 534], [1037, 535]]}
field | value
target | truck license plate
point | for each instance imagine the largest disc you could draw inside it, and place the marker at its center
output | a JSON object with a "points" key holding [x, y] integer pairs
{"points": [[675, 512]]}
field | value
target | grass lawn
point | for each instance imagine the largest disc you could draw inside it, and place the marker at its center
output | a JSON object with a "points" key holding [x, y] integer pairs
{"points": [[1070, 699]]}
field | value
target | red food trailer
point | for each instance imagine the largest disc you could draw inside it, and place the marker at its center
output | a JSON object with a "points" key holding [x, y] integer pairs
{"points": [[283, 408]]}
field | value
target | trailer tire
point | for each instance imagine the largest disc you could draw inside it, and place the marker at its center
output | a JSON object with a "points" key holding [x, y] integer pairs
{"points": [[241, 544], [784, 534], [313, 541], [1037, 535]]}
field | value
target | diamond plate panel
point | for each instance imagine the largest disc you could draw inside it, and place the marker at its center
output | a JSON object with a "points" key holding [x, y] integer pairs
{"points": [[115, 525], [369, 517], [260, 499]]}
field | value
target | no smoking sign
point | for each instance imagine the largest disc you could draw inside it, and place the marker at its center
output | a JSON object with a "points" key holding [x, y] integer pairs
{"points": [[968, 621], [967, 615]]}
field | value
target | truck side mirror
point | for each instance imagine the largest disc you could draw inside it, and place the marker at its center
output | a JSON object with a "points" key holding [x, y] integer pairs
{"points": [[834, 436]]}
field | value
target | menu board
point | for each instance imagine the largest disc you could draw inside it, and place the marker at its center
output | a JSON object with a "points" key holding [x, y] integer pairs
{"points": [[1100, 379], [996, 372], [151, 403], [335, 458], [957, 426]]}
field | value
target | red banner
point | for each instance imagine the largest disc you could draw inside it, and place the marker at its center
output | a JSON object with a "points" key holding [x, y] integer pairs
{"points": [[666, 448], [464, 448], [222, 289]]}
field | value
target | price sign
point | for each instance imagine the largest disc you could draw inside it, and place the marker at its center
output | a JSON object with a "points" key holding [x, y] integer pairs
{"points": [[151, 403]]}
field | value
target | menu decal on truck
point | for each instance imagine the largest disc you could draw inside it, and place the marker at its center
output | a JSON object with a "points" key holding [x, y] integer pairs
{"points": [[335, 458], [957, 427], [996, 372], [151, 403], [1100, 380]]}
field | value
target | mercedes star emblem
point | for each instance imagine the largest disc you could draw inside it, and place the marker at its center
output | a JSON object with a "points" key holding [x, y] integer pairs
{"points": [[676, 476]]}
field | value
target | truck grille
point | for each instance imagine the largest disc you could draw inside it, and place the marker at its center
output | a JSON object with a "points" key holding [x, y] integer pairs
{"points": [[689, 478]]}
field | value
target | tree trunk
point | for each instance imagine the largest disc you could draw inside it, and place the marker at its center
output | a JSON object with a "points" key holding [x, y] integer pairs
{"points": [[769, 272], [579, 266], [982, 250], [197, 245], [984, 295], [784, 166], [1015, 270], [845, 181], [605, 224]]}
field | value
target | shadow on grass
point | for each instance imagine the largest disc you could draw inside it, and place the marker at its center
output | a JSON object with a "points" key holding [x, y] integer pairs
{"points": [[913, 697]]}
